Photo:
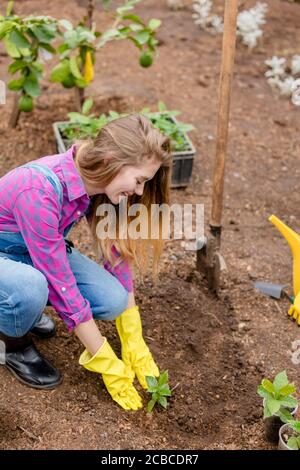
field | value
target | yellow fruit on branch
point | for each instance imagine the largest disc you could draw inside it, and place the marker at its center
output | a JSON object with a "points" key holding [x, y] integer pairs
{"points": [[88, 70]]}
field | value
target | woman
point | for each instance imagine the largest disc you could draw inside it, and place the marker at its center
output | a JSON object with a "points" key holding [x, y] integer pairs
{"points": [[40, 202]]}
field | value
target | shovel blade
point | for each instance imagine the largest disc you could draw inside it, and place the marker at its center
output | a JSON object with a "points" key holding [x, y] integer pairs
{"points": [[270, 289]]}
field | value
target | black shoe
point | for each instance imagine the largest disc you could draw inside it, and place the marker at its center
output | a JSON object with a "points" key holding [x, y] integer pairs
{"points": [[27, 364], [44, 328]]}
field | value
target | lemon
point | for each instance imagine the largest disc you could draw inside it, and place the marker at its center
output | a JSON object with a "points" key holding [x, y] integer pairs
{"points": [[146, 59], [25, 103], [68, 82]]}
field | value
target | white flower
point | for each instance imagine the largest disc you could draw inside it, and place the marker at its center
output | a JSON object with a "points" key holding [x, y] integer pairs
{"points": [[217, 23], [286, 86], [248, 23], [274, 82], [296, 92], [296, 64], [277, 66], [204, 18]]}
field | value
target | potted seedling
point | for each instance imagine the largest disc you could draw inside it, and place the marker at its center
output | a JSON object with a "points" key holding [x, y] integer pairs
{"points": [[289, 436], [159, 390], [279, 404], [86, 124]]}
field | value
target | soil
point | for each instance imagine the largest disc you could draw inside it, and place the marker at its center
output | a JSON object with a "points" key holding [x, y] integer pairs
{"points": [[217, 350]]}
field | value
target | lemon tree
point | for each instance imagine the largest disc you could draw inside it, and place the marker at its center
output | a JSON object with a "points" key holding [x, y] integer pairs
{"points": [[28, 43]]}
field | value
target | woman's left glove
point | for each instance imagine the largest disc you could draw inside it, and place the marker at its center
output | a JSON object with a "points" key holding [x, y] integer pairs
{"points": [[135, 352]]}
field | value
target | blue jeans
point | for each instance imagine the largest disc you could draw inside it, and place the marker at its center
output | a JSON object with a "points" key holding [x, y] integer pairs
{"points": [[24, 290]]}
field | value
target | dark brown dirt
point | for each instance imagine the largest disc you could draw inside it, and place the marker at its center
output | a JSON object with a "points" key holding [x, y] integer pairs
{"points": [[216, 350]]}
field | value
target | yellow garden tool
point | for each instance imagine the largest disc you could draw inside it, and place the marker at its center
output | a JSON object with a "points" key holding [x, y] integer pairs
{"points": [[293, 240]]}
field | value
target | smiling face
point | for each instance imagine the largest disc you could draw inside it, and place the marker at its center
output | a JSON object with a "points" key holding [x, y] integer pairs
{"points": [[131, 180]]}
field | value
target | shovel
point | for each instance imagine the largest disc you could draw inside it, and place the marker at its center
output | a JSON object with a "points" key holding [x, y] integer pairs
{"points": [[276, 291], [210, 261]]}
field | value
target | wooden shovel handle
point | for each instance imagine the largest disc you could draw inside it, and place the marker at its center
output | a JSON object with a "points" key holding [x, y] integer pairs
{"points": [[228, 53]]}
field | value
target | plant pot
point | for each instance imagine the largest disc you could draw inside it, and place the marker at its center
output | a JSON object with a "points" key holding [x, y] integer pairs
{"points": [[182, 160], [273, 425], [282, 445]]}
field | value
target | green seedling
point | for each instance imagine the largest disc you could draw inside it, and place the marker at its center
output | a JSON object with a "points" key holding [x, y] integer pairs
{"points": [[278, 399], [294, 441], [159, 389]]}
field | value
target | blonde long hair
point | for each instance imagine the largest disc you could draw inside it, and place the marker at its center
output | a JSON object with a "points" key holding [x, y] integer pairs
{"points": [[129, 140]]}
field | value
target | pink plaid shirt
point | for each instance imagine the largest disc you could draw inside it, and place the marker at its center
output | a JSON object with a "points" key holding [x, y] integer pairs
{"points": [[30, 205]]}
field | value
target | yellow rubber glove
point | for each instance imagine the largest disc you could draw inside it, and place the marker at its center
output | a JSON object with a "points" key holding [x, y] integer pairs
{"points": [[135, 352], [116, 376], [294, 310]]}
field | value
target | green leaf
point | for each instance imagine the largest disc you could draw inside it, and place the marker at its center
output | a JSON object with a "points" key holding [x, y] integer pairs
{"points": [[150, 405], [134, 18], [62, 48], [80, 82], [11, 48], [87, 105], [284, 415], [267, 385], [5, 28], [296, 426], [17, 65], [47, 48], [287, 390], [142, 37], [66, 24], [108, 36], [132, 27], [163, 378], [165, 390], [42, 33], [128, 6], [161, 106], [74, 68], [79, 118], [32, 87], [163, 402], [154, 24], [280, 380], [9, 8], [289, 402], [16, 84], [272, 405], [19, 39], [60, 72], [25, 51], [151, 381], [293, 443], [267, 412]]}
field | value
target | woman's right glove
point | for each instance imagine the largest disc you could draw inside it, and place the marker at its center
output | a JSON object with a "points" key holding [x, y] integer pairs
{"points": [[116, 376]]}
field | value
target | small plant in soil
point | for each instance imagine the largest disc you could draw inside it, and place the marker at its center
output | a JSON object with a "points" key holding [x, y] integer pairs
{"points": [[278, 397], [159, 389], [291, 436]]}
